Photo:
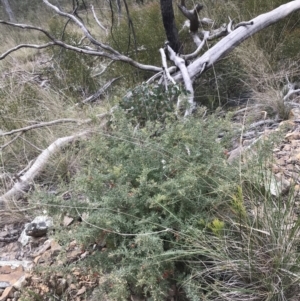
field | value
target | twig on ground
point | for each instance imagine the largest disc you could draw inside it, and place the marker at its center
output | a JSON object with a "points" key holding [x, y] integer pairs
{"points": [[101, 91]]}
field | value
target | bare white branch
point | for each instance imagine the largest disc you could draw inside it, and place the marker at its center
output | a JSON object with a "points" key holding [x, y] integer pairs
{"points": [[236, 37], [180, 63], [229, 25], [290, 93], [165, 66], [97, 20], [197, 51]]}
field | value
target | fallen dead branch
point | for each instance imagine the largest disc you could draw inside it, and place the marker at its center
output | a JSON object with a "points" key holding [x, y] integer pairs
{"points": [[23, 183]]}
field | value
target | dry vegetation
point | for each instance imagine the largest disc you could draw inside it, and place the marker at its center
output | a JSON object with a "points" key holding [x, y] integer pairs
{"points": [[159, 191]]}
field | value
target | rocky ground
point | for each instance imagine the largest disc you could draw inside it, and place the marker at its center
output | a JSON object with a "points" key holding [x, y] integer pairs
{"points": [[27, 246]]}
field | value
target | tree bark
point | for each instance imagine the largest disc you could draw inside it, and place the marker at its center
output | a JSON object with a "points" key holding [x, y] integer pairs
{"points": [[167, 13]]}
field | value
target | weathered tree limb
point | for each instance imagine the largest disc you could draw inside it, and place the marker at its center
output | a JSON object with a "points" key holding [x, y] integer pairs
{"points": [[217, 33], [180, 63], [227, 44], [89, 51], [24, 181], [236, 37], [165, 66]]}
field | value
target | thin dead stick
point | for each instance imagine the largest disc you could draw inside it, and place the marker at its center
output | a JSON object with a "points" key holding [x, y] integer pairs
{"points": [[97, 20], [5, 54], [101, 90], [50, 123], [11, 141]]}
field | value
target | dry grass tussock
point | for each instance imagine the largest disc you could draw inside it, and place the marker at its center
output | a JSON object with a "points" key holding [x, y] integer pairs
{"points": [[267, 80], [253, 254]]}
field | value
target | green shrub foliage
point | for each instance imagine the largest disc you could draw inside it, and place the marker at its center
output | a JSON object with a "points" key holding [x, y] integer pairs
{"points": [[144, 187], [150, 102]]}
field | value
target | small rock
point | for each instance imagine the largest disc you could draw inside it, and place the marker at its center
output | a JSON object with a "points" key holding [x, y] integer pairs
{"points": [[286, 148], [290, 167], [46, 257], [61, 286], [37, 228], [55, 248], [294, 114], [8, 293], [81, 291], [72, 244], [42, 249], [292, 136], [68, 221], [276, 168], [20, 283], [287, 124], [73, 255], [72, 286], [235, 154], [4, 284], [295, 143], [281, 161], [17, 294], [9, 276]]}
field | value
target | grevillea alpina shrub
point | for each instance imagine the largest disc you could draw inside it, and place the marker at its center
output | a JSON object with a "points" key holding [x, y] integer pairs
{"points": [[146, 187]]}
